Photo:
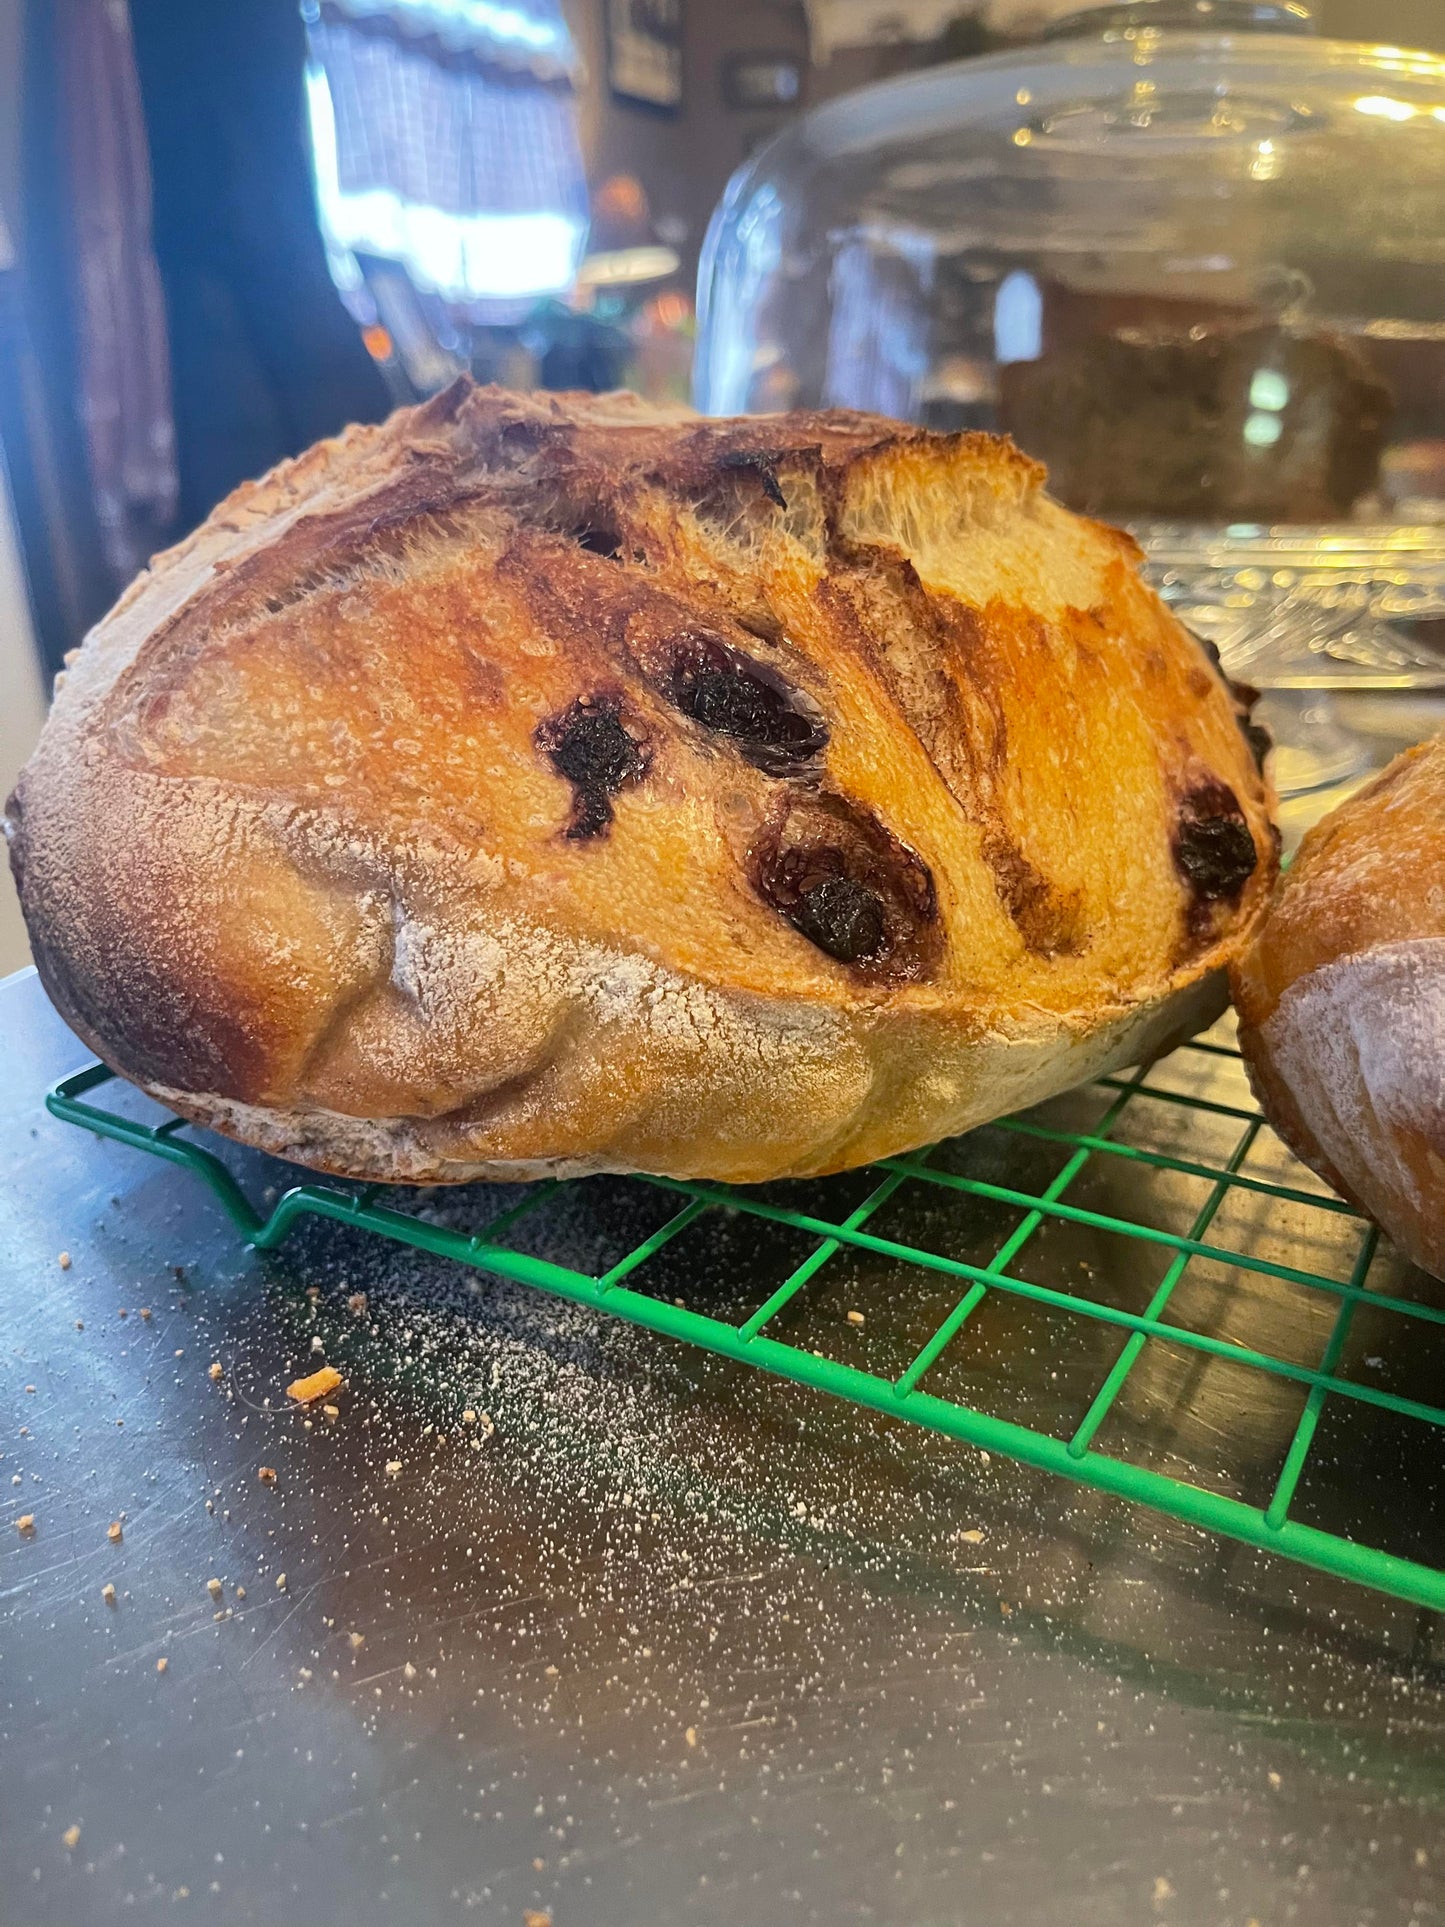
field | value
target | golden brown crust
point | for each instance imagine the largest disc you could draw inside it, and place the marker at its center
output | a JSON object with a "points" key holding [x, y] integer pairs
{"points": [[550, 783], [1342, 1002]]}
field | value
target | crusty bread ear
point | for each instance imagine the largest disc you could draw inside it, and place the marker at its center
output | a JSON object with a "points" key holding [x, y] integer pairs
{"points": [[555, 784], [1342, 1002]]}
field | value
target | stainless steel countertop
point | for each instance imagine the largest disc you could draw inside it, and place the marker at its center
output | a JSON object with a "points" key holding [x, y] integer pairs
{"points": [[678, 1644]]}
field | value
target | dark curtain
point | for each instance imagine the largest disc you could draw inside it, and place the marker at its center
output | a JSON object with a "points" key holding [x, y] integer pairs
{"points": [[70, 581], [123, 389], [264, 357]]}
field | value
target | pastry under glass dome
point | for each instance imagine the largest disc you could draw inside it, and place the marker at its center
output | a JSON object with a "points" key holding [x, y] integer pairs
{"points": [[1187, 253]]}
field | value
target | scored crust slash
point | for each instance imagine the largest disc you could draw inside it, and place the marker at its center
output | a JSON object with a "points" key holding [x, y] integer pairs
{"points": [[542, 785]]}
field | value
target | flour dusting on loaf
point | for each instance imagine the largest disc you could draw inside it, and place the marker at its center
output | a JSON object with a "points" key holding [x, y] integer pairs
{"points": [[559, 784], [1369, 1030]]}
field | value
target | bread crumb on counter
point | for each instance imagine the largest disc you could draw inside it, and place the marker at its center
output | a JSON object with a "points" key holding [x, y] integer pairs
{"points": [[107, 1593], [70, 1839], [25, 1523], [266, 1474], [214, 1588], [531, 1918], [162, 1664], [115, 1532], [855, 1318], [356, 1304], [315, 1385], [64, 1261]]}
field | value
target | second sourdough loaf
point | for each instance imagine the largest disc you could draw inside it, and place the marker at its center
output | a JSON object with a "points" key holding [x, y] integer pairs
{"points": [[1342, 1002], [551, 784]]}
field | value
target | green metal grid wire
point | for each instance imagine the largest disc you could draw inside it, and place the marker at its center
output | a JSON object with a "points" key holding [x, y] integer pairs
{"points": [[1077, 1457]]}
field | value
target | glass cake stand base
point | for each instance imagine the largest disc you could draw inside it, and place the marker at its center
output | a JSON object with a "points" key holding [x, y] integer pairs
{"points": [[1307, 614]]}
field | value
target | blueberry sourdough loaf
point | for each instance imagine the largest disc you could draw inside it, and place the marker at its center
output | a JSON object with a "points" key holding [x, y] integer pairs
{"points": [[535, 785]]}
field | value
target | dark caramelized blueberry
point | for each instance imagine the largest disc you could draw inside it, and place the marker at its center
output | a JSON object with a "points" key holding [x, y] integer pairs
{"points": [[1255, 734], [1245, 697], [848, 885], [1213, 846], [1211, 649], [773, 724], [843, 917], [591, 747], [1260, 741], [591, 814], [763, 465], [1217, 855]]}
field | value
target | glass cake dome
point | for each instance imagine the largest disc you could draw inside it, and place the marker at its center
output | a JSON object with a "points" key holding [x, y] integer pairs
{"points": [[1185, 252]]}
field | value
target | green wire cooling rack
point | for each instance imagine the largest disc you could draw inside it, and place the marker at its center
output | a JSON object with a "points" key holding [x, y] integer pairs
{"points": [[1250, 1173]]}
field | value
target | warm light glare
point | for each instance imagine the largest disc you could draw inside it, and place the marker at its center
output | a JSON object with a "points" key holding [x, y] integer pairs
{"points": [[1384, 108], [671, 310], [1265, 165], [620, 266]]}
